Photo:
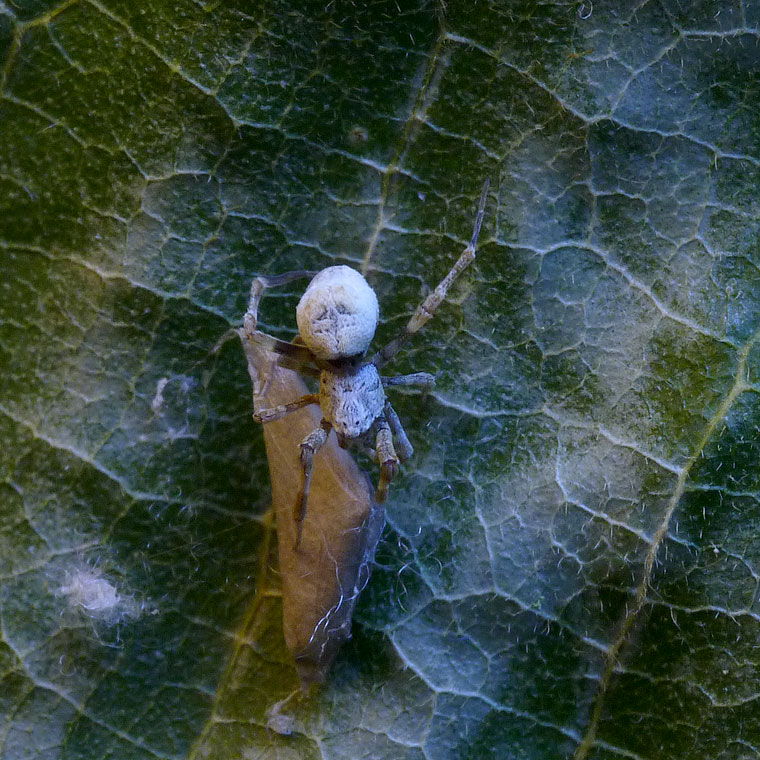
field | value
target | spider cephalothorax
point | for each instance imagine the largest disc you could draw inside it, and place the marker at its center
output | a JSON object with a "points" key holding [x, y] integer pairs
{"points": [[337, 317]]}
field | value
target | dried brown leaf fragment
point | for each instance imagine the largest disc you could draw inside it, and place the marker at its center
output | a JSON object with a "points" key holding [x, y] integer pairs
{"points": [[322, 578]]}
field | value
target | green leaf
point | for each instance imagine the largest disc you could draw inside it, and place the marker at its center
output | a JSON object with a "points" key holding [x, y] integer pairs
{"points": [[570, 564]]}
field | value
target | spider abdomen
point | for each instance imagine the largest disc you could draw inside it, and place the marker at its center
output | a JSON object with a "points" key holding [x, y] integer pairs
{"points": [[351, 400], [337, 314]]}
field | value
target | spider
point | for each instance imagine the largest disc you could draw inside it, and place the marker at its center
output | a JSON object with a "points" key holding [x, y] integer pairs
{"points": [[337, 317]]}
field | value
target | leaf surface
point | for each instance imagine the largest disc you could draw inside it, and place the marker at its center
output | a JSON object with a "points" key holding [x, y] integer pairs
{"points": [[570, 564]]}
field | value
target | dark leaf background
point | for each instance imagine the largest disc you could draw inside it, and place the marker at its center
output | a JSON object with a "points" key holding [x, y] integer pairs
{"points": [[571, 561]]}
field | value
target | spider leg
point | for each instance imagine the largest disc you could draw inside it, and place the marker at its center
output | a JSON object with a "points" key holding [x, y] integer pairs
{"points": [[405, 448], [386, 456], [293, 356], [296, 355], [427, 308], [309, 447], [278, 412], [358, 444], [416, 378], [259, 284], [369, 452], [366, 449]]}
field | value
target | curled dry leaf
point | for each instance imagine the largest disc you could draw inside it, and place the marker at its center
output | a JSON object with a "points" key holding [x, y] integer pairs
{"points": [[322, 579]]}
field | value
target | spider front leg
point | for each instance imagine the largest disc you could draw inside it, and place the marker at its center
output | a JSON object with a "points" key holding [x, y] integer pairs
{"points": [[386, 456], [427, 308], [309, 447]]}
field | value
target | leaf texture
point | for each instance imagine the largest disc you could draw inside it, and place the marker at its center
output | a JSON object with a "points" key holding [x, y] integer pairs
{"points": [[569, 566]]}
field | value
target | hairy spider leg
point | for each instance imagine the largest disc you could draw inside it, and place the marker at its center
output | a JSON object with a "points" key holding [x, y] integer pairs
{"points": [[427, 308], [278, 412], [425, 379], [296, 355], [416, 378], [403, 447], [386, 456], [309, 447], [259, 284], [365, 449]]}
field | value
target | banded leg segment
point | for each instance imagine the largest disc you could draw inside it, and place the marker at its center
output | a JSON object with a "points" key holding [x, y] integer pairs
{"points": [[259, 285], [278, 412], [295, 356], [309, 447], [427, 308], [386, 456], [416, 378], [404, 447]]}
